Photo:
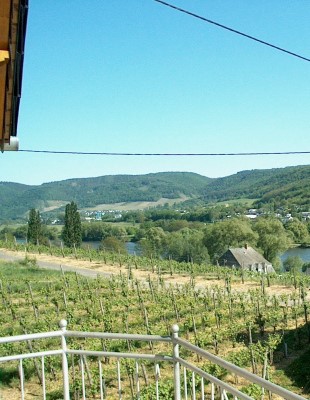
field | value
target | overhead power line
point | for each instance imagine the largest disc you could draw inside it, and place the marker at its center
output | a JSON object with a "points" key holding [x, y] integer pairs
{"points": [[232, 30], [164, 154]]}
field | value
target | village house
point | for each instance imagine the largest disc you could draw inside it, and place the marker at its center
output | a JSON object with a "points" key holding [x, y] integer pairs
{"points": [[247, 258]]}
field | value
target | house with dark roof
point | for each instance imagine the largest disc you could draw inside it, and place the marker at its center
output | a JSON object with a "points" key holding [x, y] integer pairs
{"points": [[247, 258]]}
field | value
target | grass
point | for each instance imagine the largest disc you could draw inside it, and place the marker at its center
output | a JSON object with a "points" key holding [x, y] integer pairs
{"points": [[136, 205], [24, 270], [243, 201]]}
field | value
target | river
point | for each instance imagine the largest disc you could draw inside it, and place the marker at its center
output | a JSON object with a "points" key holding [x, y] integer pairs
{"points": [[303, 253], [132, 248]]}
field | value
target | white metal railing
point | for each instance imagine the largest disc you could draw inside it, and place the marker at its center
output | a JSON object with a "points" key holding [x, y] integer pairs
{"points": [[184, 387]]}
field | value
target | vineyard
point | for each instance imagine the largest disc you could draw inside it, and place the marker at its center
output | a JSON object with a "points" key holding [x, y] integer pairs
{"points": [[255, 321]]}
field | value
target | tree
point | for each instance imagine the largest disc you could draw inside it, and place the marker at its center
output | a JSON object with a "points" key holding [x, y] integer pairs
{"points": [[219, 236], [21, 232], [153, 241], [101, 230], [113, 244], [272, 237], [7, 234], [186, 245], [34, 231], [299, 232], [305, 266], [172, 225], [293, 264], [72, 231]]}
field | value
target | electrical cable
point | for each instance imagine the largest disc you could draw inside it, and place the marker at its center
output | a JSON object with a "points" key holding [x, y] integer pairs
{"points": [[189, 154], [164, 154], [232, 30]]}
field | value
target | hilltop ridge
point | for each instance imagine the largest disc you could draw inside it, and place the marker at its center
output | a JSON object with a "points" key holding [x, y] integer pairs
{"points": [[279, 184]]}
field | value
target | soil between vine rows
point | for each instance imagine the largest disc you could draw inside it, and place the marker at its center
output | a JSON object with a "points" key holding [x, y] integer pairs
{"points": [[93, 268]]}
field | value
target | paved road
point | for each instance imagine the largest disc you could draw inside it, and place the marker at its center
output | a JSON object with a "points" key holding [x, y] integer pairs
{"points": [[55, 266]]}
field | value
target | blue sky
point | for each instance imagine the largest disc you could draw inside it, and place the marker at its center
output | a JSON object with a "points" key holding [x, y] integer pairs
{"points": [[135, 76]]}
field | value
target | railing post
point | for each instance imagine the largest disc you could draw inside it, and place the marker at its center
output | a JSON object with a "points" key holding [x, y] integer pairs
{"points": [[177, 381], [65, 370]]}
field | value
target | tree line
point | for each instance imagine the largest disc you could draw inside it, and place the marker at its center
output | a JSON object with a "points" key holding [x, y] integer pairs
{"points": [[166, 237], [38, 233]]}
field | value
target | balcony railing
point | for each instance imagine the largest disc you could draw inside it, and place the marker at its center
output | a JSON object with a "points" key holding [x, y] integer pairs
{"points": [[189, 380]]}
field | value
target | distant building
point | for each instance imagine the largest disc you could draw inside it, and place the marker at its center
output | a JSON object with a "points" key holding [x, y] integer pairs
{"points": [[251, 216], [247, 258], [98, 215], [288, 217], [252, 213], [305, 215]]}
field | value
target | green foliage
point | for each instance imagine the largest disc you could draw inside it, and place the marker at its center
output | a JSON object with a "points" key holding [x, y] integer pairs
{"points": [[14, 200], [21, 232], [277, 184], [34, 232], [240, 358], [272, 188], [183, 245], [272, 237], [186, 245], [153, 241], [174, 225], [293, 264], [7, 234], [161, 214], [72, 231], [220, 236], [9, 376], [305, 266], [166, 391], [94, 231], [299, 231], [121, 304], [17, 199], [215, 370], [114, 245], [253, 391], [55, 395], [50, 233], [299, 371]]}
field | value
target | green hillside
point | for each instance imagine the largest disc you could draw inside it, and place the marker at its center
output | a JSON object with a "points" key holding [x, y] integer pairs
{"points": [[17, 199], [281, 185], [124, 188]]}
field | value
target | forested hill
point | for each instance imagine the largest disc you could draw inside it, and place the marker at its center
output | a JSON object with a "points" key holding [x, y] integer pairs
{"points": [[291, 183], [89, 192], [126, 188]]}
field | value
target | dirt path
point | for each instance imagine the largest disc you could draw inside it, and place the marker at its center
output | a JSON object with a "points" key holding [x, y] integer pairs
{"points": [[94, 268], [55, 263]]}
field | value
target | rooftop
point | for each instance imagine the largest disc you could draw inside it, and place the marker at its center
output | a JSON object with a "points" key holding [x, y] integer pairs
{"points": [[13, 22]]}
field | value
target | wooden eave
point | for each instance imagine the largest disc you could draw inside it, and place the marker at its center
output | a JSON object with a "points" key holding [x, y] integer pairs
{"points": [[13, 22]]}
